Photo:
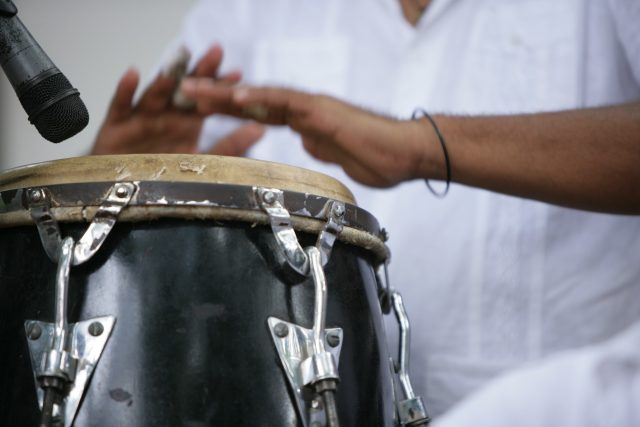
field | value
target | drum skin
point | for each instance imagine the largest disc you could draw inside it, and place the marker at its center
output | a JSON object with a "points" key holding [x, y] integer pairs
{"points": [[191, 346]]}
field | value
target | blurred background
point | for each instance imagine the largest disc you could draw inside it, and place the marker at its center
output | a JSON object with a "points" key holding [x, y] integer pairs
{"points": [[92, 43]]}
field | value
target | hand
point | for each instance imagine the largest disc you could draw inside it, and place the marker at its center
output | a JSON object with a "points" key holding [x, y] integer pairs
{"points": [[372, 149], [154, 125]]}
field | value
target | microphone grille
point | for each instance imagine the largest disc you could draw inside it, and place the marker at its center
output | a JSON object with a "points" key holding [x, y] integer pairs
{"points": [[55, 108]]}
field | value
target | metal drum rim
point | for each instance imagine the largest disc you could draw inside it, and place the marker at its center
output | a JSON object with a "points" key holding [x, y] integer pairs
{"points": [[78, 202]]}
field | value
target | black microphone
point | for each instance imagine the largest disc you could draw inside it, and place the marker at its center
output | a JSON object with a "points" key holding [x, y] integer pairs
{"points": [[54, 107]]}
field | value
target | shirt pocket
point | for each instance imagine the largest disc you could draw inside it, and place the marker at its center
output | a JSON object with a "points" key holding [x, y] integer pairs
{"points": [[525, 55], [318, 65]]}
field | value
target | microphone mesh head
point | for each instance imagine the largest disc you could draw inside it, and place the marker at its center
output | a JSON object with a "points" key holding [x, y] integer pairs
{"points": [[55, 118]]}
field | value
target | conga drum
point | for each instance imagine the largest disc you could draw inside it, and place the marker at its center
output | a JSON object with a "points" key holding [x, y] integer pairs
{"points": [[191, 291]]}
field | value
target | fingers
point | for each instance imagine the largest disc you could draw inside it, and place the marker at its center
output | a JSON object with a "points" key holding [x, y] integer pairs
{"points": [[210, 97], [122, 101], [325, 151], [210, 64], [265, 105], [240, 141], [158, 95], [284, 106], [231, 77]]}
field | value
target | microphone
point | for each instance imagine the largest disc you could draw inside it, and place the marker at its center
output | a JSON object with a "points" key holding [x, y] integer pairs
{"points": [[54, 107]]}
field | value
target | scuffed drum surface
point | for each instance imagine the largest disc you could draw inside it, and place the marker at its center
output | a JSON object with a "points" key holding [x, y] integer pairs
{"points": [[175, 168]]}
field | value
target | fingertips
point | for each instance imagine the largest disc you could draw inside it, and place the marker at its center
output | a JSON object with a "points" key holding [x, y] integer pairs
{"points": [[189, 87], [203, 87], [287, 100], [239, 141], [127, 86], [255, 131], [311, 146], [130, 77], [196, 87], [243, 95], [158, 95], [231, 77], [321, 150], [247, 136], [210, 97], [122, 101], [210, 62]]}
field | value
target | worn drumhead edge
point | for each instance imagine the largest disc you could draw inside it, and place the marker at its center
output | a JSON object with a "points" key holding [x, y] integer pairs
{"points": [[185, 187], [175, 168]]}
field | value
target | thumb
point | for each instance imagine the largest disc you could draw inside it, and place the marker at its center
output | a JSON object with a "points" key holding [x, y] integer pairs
{"points": [[238, 142]]}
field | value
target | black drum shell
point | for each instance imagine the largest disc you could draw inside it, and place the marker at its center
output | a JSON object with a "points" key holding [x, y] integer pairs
{"points": [[191, 345]]}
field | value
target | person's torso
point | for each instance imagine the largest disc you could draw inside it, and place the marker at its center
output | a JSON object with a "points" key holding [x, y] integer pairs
{"points": [[490, 281]]}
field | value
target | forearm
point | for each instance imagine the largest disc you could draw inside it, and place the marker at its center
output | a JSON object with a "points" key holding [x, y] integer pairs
{"points": [[587, 159]]}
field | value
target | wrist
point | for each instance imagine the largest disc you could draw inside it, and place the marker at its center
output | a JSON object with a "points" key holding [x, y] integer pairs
{"points": [[426, 149]]}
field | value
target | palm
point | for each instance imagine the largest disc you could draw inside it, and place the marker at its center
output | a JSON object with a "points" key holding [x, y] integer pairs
{"points": [[167, 131], [155, 125]]}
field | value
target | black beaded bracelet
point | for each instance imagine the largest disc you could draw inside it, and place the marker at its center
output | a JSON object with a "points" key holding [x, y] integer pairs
{"points": [[418, 114]]}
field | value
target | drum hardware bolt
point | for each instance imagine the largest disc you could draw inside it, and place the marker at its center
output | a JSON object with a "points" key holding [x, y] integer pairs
{"points": [[36, 196], [269, 197], [333, 339], [299, 258], [281, 330], [122, 192], [35, 331], [96, 329], [338, 210]]}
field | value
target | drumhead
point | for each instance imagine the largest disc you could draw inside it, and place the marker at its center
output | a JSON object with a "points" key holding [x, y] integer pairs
{"points": [[185, 186], [175, 168]]}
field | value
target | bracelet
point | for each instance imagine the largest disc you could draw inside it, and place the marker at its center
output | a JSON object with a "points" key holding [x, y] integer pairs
{"points": [[418, 114]]}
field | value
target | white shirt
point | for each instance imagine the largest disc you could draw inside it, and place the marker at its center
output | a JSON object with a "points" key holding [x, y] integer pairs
{"points": [[597, 386], [490, 281]]}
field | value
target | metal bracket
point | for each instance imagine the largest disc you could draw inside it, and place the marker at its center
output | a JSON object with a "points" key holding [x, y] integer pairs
{"points": [[103, 222], [303, 352], [309, 366], [39, 203], [63, 356], [334, 213], [384, 289], [88, 340], [295, 345], [411, 410], [271, 200]]}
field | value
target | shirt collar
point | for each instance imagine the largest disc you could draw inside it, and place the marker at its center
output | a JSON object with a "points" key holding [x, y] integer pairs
{"points": [[433, 12]]}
